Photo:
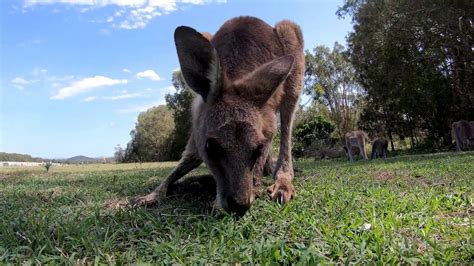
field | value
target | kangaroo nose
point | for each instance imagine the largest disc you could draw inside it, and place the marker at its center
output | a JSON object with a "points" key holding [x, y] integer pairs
{"points": [[237, 207]]}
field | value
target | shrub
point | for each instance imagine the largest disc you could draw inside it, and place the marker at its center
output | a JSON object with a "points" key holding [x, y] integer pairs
{"points": [[314, 131], [47, 165]]}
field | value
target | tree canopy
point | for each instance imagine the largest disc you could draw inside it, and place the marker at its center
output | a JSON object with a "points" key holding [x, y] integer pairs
{"points": [[415, 60], [331, 81], [180, 103], [151, 136]]}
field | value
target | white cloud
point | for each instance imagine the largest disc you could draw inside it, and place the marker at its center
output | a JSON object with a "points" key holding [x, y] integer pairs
{"points": [[166, 5], [139, 18], [123, 96], [28, 3], [194, 2], [85, 85], [150, 74], [59, 78], [126, 70], [169, 89], [140, 108], [121, 2], [202, 2], [57, 81], [20, 82], [134, 14], [143, 107], [39, 72], [90, 99], [119, 13], [40, 75]]}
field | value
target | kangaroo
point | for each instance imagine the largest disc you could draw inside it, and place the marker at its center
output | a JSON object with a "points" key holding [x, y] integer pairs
{"points": [[355, 140], [379, 148], [463, 132], [243, 76]]}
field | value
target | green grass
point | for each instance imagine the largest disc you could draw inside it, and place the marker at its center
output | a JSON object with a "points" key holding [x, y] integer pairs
{"points": [[420, 209]]}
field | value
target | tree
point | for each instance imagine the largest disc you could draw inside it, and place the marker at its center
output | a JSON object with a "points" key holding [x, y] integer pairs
{"points": [[119, 154], [414, 58], [331, 81], [180, 103], [151, 136]]}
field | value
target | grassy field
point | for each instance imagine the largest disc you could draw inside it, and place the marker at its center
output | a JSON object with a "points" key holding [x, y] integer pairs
{"points": [[408, 209]]}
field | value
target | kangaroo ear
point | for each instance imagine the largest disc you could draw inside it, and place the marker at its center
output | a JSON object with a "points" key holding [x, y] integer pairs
{"points": [[199, 62], [265, 80]]}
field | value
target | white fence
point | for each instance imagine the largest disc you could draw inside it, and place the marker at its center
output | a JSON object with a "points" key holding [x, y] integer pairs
{"points": [[2, 164]]}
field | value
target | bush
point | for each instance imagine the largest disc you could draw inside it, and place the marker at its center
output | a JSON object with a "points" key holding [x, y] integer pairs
{"points": [[312, 132], [47, 165]]}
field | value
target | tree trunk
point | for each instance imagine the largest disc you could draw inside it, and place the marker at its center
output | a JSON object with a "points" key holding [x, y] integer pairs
{"points": [[391, 139], [412, 138]]}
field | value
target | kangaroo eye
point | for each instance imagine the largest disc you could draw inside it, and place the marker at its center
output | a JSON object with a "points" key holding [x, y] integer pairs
{"points": [[257, 153], [214, 150]]}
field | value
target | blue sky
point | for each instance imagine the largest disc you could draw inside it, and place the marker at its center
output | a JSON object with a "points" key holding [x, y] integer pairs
{"points": [[75, 74]]}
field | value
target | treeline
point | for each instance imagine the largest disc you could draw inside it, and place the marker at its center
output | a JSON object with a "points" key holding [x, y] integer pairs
{"points": [[16, 157], [407, 73], [415, 61]]}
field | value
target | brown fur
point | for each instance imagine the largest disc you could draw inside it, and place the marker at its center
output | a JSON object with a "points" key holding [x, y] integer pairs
{"points": [[245, 74], [379, 148], [463, 134], [355, 140]]}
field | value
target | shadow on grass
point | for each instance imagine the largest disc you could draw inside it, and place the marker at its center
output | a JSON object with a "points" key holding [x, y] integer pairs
{"points": [[196, 195], [193, 195]]}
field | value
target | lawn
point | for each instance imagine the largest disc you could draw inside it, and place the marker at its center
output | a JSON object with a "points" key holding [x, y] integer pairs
{"points": [[408, 209]]}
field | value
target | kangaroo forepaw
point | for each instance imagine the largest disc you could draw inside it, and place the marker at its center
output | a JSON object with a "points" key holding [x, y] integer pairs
{"points": [[282, 191], [148, 200]]}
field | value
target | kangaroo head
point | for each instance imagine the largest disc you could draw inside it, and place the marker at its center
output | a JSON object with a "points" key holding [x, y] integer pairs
{"points": [[233, 121]]}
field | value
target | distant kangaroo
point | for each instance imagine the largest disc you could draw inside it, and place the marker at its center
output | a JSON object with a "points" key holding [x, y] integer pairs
{"points": [[355, 140], [245, 74], [463, 133], [379, 148]]}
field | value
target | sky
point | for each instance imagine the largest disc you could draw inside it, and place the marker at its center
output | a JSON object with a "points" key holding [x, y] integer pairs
{"points": [[75, 74]]}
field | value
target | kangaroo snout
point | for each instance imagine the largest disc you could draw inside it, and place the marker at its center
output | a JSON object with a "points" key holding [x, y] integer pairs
{"points": [[237, 207]]}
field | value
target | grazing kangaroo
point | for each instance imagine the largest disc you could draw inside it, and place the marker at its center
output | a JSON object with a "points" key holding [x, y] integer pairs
{"points": [[379, 148], [355, 140], [463, 132], [244, 75]]}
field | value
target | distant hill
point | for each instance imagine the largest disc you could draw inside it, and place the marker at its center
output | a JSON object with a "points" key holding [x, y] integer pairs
{"points": [[85, 159], [81, 159], [17, 157]]}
